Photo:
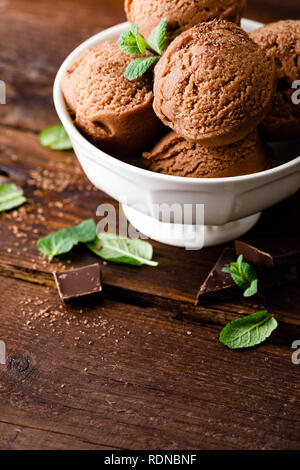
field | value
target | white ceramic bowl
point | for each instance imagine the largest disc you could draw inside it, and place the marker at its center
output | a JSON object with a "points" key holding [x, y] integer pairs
{"points": [[232, 206]]}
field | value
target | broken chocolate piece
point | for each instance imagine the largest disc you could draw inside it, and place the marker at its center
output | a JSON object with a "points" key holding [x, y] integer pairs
{"points": [[270, 252], [218, 282], [219, 286], [79, 283]]}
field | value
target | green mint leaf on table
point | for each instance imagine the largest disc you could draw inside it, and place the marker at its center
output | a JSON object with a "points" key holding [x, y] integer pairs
{"points": [[248, 331], [158, 38], [10, 196], [138, 67], [252, 290], [63, 240], [56, 138], [122, 250], [244, 276]]}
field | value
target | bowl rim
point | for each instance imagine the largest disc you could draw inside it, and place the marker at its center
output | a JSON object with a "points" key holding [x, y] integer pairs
{"points": [[71, 129]]}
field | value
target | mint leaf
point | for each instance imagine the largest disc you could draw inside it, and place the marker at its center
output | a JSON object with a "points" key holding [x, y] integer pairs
{"points": [[138, 67], [252, 290], [134, 29], [239, 281], [140, 40], [63, 240], [122, 250], [158, 37], [240, 262], [56, 138], [128, 44], [244, 276], [226, 270], [10, 196], [247, 272], [248, 331], [86, 231]]}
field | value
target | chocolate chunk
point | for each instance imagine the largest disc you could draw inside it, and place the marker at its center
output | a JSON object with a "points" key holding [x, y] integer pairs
{"points": [[218, 283], [269, 252], [219, 286], [79, 283]]}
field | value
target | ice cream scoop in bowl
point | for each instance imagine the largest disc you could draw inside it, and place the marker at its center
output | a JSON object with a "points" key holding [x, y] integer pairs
{"points": [[180, 211]]}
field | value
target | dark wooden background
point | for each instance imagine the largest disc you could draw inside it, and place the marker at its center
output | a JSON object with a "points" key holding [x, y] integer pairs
{"points": [[143, 369]]}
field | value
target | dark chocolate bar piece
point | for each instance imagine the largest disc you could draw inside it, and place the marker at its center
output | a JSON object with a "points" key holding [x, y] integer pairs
{"points": [[219, 286], [79, 283], [270, 252], [218, 283]]}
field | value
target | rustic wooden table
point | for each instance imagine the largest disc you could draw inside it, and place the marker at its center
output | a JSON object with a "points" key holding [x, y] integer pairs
{"points": [[143, 369]]}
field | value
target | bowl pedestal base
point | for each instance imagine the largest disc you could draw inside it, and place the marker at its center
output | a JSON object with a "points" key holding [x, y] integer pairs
{"points": [[191, 237]]}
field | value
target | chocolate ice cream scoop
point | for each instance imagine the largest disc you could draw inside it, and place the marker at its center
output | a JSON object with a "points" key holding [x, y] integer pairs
{"points": [[213, 85], [173, 155], [181, 14], [282, 123], [111, 111], [281, 42]]}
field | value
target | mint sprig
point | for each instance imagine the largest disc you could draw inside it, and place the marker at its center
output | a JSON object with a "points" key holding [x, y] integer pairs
{"points": [[108, 246], [244, 276], [248, 331], [132, 42]]}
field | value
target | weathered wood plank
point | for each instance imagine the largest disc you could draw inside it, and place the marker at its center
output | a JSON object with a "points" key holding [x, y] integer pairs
{"points": [[117, 375], [18, 437]]}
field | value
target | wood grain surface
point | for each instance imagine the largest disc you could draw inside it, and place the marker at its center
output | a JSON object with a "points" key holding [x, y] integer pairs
{"points": [[128, 377], [143, 369]]}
